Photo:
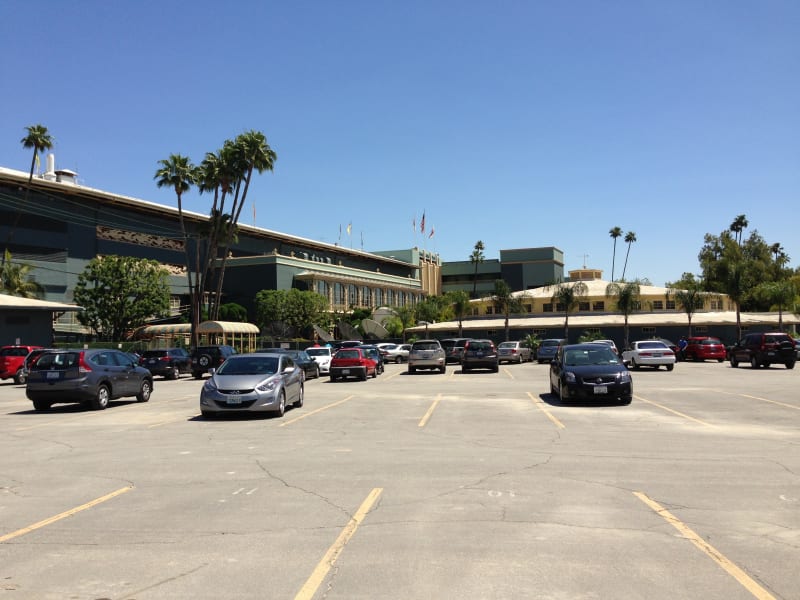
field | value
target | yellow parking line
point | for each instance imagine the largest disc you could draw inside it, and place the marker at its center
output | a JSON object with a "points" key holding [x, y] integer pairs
{"points": [[540, 405], [315, 580], [313, 412], [63, 515], [762, 399], [430, 411], [393, 375], [675, 412], [745, 580], [507, 372]]}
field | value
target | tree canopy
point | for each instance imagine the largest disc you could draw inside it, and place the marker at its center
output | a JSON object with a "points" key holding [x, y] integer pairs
{"points": [[286, 313]]}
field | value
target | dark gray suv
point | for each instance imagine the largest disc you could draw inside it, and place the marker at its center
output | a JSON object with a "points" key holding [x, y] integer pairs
{"points": [[764, 349], [91, 377]]}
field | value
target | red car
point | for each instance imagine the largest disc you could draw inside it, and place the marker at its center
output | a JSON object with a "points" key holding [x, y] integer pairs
{"points": [[704, 348], [352, 362], [12, 359]]}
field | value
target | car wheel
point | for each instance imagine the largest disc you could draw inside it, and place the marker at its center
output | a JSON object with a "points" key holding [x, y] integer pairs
{"points": [[316, 373], [374, 373], [625, 400], [20, 377], [670, 367], [204, 361], [41, 405], [734, 362], [144, 391], [207, 414], [333, 378], [561, 395], [100, 401], [790, 364], [495, 369], [197, 374], [720, 359], [753, 363], [281, 405], [176, 372], [363, 375], [299, 402], [633, 363], [412, 369], [443, 369]]}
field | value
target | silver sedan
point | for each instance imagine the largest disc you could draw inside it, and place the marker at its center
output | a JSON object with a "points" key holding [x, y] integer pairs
{"points": [[259, 382], [649, 353]]}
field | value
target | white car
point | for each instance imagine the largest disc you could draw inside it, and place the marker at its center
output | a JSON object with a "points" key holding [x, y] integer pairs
{"points": [[649, 353], [513, 352], [322, 355]]}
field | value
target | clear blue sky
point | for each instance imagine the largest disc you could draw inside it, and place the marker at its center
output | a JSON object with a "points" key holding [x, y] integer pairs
{"points": [[519, 123]]}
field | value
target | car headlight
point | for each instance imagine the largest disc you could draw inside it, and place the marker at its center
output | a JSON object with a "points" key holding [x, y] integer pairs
{"points": [[210, 386], [267, 385], [624, 377], [569, 376]]}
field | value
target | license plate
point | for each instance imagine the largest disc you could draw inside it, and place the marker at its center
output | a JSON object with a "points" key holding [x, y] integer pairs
{"points": [[233, 400], [152, 361], [53, 374], [770, 354], [600, 389], [345, 371], [657, 354]]}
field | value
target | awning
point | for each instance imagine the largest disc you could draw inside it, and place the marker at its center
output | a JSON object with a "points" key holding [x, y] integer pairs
{"points": [[226, 327]]}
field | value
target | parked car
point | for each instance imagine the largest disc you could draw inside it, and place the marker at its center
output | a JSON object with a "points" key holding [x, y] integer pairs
{"points": [[764, 349], [31, 358], [649, 353], [374, 353], [397, 354], [703, 348], [797, 346], [548, 348], [513, 352], [209, 357], [669, 344], [479, 354], [426, 354], [167, 362], [590, 372], [255, 382], [322, 355], [352, 362], [92, 377], [302, 359], [453, 349], [609, 343], [12, 359]]}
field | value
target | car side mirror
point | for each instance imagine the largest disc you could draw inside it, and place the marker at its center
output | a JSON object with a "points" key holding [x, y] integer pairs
{"points": [[288, 369]]}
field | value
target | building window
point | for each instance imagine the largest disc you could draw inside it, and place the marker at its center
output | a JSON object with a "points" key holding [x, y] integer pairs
{"points": [[700, 329], [378, 297], [390, 297], [322, 288], [366, 296], [475, 312], [548, 307], [529, 308], [716, 305], [648, 330], [338, 293], [352, 295], [637, 305], [583, 306], [489, 310], [598, 305], [658, 305], [670, 304], [540, 332], [560, 307]]}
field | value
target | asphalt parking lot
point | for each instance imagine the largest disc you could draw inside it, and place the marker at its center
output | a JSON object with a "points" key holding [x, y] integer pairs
{"points": [[412, 486]]}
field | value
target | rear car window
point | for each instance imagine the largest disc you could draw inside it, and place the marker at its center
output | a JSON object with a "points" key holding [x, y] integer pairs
{"points": [[57, 361], [348, 354], [480, 346], [426, 346], [652, 345], [550, 343]]}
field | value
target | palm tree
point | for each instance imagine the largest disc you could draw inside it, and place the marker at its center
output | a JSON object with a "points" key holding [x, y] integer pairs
{"points": [[690, 300], [15, 279], [568, 295], [476, 258], [738, 226], [630, 237], [40, 140], [504, 301], [781, 293], [627, 300], [614, 232], [178, 172], [459, 300]]}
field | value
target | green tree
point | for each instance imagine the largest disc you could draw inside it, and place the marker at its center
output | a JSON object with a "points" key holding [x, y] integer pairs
{"points": [[781, 294], [38, 139], [16, 279], [626, 296], [291, 312], [476, 258], [402, 319], [630, 238], [429, 310], [459, 301], [567, 296], [233, 312], [505, 302], [691, 297], [737, 226], [615, 233], [120, 293]]}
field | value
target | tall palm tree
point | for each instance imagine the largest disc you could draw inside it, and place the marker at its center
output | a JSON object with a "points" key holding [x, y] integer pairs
{"points": [[15, 279], [459, 300], [504, 301], [40, 140], [738, 226], [178, 172], [614, 232], [690, 300], [568, 295], [630, 237], [476, 258], [626, 295]]}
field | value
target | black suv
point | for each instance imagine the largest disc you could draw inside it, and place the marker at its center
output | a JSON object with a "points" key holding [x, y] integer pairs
{"points": [[764, 349], [479, 354], [209, 357], [167, 362]]}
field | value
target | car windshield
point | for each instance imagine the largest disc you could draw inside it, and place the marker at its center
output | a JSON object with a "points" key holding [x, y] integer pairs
{"points": [[426, 346], [250, 365], [600, 356]]}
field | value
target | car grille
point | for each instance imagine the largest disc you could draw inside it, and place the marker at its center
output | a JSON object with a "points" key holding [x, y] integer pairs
{"points": [[235, 392], [244, 404], [598, 379]]}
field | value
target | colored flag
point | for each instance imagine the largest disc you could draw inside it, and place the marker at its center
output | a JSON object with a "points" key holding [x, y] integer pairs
{"points": [[430, 235], [340, 232], [349, 228], [414, 223], [422, 223]]}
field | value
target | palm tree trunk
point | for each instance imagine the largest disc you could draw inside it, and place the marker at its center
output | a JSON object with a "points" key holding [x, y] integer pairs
{"points": [[624, 268], [613, 259]]}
